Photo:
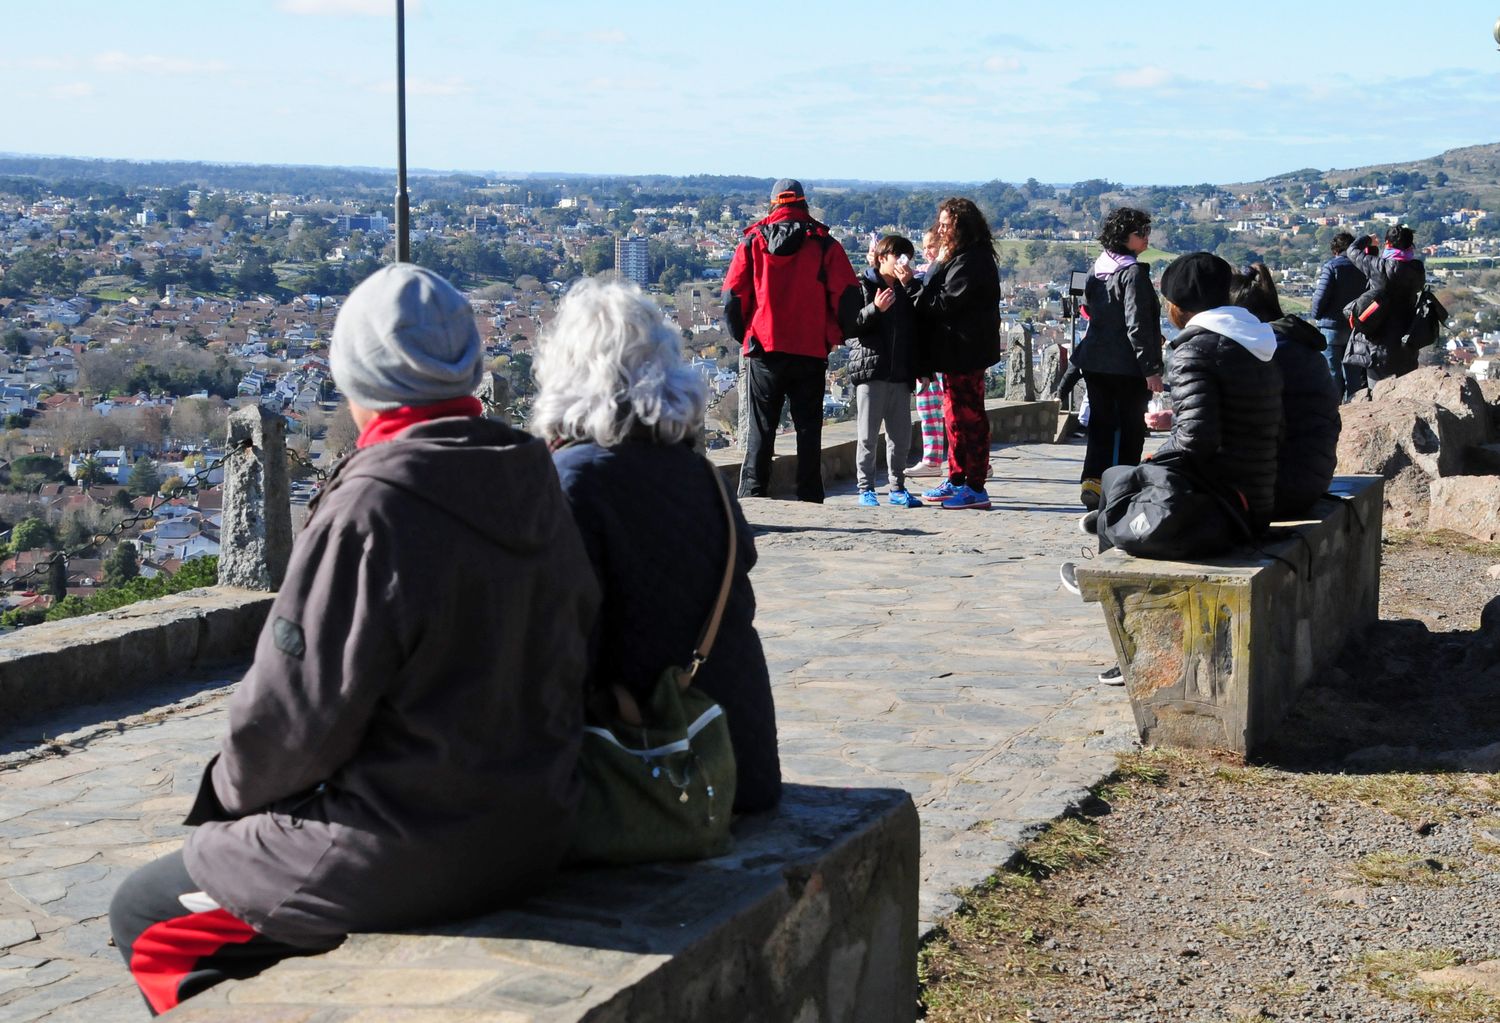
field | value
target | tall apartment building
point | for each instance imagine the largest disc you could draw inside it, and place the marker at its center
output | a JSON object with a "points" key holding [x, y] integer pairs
{"points": [[633, 259]]}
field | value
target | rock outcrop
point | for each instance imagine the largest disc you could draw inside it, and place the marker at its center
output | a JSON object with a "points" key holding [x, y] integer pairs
{"points": [[1424, 426]]}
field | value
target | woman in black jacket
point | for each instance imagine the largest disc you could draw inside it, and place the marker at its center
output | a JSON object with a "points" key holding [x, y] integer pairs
{"points": [[1396, 277], [1310, 422], [959, 309], [1120, 354]]}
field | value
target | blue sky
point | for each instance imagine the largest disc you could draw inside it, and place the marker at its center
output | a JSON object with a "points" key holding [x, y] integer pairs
{"points": [[1167, 92]]}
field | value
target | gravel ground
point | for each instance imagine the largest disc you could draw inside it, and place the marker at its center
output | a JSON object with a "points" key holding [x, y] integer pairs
{"points": [[1314, 886]]}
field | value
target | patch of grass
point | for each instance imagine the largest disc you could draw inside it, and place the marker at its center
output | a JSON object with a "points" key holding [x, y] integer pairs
{"points": [[1441, 539], [1248, 774], [1405, 796], [1387, 868], [1392, 975], [1148, 767], [1484, 843], [1067, 844], [1243, 931]]}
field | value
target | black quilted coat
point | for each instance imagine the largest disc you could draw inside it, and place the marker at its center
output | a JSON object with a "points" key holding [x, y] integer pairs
{"points": [[1310, 418], [1227, 414]]}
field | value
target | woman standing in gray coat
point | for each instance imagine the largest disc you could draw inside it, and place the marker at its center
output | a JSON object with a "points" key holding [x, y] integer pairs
{"points": [[1120, 354]]}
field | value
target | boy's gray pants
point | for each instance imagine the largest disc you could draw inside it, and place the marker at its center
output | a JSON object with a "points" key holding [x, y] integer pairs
{"points": [[882, 402]]}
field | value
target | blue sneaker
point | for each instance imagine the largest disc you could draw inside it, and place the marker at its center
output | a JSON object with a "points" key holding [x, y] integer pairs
{"points": [[904, 499], [968, 497], [941, 492], [867, 499]]}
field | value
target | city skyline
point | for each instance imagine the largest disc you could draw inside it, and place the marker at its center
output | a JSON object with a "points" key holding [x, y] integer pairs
{"points": [[973, 94]]}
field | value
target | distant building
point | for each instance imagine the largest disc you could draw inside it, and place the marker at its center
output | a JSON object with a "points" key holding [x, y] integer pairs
{"points": [[633, 259]]}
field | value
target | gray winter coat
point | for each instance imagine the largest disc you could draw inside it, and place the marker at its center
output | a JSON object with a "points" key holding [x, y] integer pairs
{"points": [[402, 750], [1124, 332]]}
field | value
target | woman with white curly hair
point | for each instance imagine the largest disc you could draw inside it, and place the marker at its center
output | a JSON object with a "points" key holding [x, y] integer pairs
{"points": [[622, 410]]}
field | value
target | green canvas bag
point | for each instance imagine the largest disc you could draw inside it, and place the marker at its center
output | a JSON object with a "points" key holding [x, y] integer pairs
{"points": [[659, 779]]}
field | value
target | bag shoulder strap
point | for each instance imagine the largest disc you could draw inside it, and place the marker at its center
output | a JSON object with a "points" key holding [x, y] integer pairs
{"points": [[711, 627]]}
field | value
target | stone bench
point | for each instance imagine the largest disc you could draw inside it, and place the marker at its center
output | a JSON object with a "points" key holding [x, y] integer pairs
{"points": [[811, 918], [1214, 653]]}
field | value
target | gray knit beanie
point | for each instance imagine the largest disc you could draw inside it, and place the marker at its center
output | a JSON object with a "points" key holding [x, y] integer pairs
{"points": [[405, 337]]}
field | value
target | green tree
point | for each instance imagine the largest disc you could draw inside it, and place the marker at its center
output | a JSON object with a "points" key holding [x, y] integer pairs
{"points": [[31, 534], [122, 565], [145, 478], [89, 471]]}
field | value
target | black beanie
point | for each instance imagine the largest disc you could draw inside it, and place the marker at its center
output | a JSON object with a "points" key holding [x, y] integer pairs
{"points": [[1197, 281]]}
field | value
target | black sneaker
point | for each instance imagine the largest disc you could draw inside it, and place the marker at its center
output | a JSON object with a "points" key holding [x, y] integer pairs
{"points": [[1068, 573], [1089, 523], [1112, 677]]}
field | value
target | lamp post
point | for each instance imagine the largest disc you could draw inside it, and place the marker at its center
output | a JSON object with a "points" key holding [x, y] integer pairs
{"points": [[403, 205]]}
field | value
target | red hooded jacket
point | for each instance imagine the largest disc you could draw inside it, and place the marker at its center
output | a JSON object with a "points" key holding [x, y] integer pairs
{"points": [[790, 287]]}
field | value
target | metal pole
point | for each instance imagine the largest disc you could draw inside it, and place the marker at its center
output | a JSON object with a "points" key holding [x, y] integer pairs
{"points": [[403, 206]]}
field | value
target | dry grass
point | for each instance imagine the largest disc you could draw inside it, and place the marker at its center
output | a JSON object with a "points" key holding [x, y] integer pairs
{"points": [[1392, 974], [1390, 868]]}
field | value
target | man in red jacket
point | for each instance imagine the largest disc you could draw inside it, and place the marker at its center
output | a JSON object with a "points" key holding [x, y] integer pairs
{"points": [[790, 297]]}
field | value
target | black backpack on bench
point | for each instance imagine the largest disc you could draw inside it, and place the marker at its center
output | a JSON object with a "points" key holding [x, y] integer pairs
{"points": [[1168, 509]]}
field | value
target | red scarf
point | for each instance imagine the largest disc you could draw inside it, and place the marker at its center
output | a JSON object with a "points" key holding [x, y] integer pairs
{"points": [[389, 425]]}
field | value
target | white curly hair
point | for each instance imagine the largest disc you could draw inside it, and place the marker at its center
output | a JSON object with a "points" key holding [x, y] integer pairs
{"points": [[609, 363]]}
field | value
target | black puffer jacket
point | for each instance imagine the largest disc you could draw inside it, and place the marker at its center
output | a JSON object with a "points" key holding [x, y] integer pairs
{"points": [[1397, 282], [885, 345], [1227, 403], [1310, 417], [959, 312], [1124, 331]]}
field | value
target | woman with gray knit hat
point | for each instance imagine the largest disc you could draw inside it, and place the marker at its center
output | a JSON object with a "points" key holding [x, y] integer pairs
{"points": [[415, 703]]}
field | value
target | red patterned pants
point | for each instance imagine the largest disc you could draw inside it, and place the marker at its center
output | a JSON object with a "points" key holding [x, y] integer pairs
{"points": [[968, 428]]}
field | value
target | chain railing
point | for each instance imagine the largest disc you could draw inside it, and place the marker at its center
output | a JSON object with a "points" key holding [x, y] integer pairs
{"points": [[321, 475], [191, 486]]}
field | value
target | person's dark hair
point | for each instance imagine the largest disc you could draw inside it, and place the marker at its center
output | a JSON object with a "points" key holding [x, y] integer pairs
{"points": [[892, 244], [1253, 290], [1341, 243], [1400, 237], [1115, 234], [969, 226]]}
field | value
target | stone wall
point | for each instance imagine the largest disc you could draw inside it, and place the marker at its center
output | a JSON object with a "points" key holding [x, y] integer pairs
{"points": [[1011, 422], [59, 665], [812, 918]]}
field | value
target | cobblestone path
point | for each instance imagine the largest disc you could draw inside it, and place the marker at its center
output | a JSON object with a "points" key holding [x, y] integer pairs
{"points": [[928, 650]]}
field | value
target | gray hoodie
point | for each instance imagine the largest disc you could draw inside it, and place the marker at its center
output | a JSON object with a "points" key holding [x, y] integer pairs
{"points": [[402, 749]]}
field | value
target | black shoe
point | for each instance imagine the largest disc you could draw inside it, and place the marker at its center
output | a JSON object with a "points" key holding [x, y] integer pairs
{"points": [[1068, 573], [1112, 677], [1089, 523]]}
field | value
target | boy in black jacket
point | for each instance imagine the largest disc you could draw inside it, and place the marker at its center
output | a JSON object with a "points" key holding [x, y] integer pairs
{"points": [[880, 367]]}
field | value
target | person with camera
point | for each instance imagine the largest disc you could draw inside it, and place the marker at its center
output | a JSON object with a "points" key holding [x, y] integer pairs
{"points": [[1382, 315]]}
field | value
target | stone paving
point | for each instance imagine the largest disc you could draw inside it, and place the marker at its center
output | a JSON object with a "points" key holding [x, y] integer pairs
{"points": [[929, 650]]}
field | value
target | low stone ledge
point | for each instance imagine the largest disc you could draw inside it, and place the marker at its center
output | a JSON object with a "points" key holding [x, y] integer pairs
{"points": [[812, 918], [62, 665], [1011, 422], [1214, 653]]}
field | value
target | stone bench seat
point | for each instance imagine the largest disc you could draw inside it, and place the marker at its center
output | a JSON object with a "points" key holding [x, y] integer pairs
{"points": [[811, 917], [1214, 653]]}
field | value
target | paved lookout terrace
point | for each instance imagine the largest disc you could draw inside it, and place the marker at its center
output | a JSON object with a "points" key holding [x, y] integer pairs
{"points": [[921, 649]]}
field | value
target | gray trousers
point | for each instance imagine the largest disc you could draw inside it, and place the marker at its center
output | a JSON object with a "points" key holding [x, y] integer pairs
{"points": [[882, 402]]}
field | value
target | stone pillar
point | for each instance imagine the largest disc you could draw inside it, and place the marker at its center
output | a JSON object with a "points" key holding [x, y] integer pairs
{"points": [[742, 428], [495, 393], [1052, 372], [1020, 385], [256, 541]]}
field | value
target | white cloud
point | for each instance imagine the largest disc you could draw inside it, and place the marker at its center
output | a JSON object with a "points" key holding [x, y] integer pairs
{"points": [[1002, 65], [346, 8], [73, 90], [608, 37], [153, 64], [1143, 78]]}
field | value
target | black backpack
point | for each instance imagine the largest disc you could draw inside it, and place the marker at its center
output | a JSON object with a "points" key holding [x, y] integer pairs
{"points": [[1167, 508], [1426, 322]]}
